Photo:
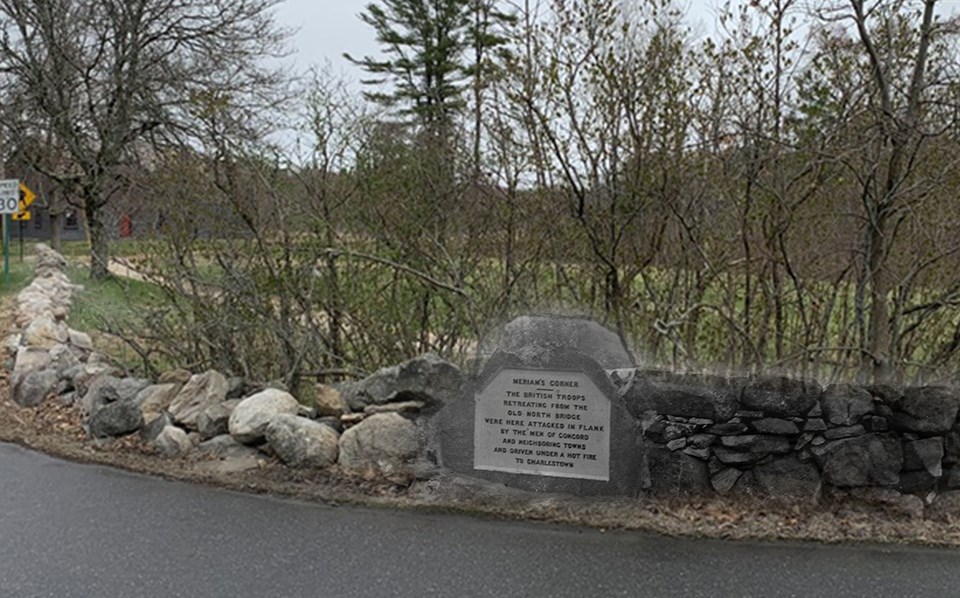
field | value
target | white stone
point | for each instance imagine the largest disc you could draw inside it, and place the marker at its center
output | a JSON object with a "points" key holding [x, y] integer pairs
{"points": [[300, 442], [202, 391], [385, 442], [329, 402], [249, 420], [173, 441], [80, 339], [44, 333], [155, 399]]}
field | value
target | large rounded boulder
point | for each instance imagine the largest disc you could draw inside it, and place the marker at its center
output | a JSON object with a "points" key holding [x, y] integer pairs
{"points": [[250, 418], [385, 442], [300, 442]]}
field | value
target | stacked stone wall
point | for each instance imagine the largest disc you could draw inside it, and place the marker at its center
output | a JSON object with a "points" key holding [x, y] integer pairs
{"points": [[776, 436]]}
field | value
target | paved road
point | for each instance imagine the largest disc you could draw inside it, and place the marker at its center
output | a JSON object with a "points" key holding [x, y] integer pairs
{"points": [[88, 531]]}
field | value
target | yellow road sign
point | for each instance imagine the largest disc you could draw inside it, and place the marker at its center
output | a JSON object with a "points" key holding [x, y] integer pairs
{"points": [[26, 198]]}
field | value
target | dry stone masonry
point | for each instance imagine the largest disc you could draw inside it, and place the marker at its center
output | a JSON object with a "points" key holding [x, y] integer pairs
{"points": [[558, 405]]}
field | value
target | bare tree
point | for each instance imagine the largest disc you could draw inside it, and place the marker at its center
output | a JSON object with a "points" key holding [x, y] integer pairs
{"points": [[113, 82]]}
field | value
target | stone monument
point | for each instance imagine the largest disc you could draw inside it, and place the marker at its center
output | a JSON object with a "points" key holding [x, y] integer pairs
{"points": [[544, 416]]}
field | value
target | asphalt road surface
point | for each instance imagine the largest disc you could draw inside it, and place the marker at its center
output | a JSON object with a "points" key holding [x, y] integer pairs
{"points": [[90, 531]]}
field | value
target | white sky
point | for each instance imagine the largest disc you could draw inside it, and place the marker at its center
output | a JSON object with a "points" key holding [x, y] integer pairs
{"points": [[328, 28]]}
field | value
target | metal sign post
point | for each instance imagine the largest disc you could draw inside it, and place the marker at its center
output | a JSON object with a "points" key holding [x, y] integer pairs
{"points": [[9, 204]]}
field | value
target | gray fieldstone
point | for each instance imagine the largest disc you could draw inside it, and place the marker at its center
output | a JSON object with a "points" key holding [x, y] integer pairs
{"points": [[81, 340], [215, 419], [663, 432], [845, 404], [875, 423], [155, 400], [786, 478], [385, 442], [727, 429], [34, 386], [725, 480], [927, 410], [172, 442], [116, 419], [333, 422], [780, 396], [44, 332], [917, 482], [236, 387], [427, 378], [150, 430], [328, 402], [700, 453], [870, 460], [410, 407], [84, 377], [924, 455], [10, 344], [178, 376], [65, 357], [740, 442], [676, 445], [769, 425], [30, 359], [200, 392], [686, 395], [106, 389], [250, 418], [227, 447], [675, 474], [731, 457], [814, 425], [300, 442], [534, 338], [702, 440], [951, 447], [844, 432], [951, 478], [774, 445]]}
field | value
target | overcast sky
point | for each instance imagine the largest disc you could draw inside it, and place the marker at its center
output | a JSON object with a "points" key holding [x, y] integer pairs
{"points": [[328, 28]]}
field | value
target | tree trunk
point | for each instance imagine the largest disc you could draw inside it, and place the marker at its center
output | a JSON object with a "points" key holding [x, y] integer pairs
{"points": [[99, 244], [878, 272], [56, 231]]}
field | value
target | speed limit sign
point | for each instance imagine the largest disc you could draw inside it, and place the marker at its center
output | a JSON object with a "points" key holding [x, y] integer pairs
{"points": [[9, 196]]}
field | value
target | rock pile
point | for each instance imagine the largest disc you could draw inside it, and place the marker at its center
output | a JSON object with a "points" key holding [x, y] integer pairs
{"points": [[370, 425]]}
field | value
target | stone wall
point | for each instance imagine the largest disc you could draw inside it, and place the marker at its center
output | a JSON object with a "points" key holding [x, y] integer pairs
{"points": [[219, 422], [764, 436], [781, 437]]}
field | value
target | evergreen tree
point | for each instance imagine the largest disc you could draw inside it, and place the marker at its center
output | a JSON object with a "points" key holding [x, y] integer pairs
{"points": [[423, 44]]}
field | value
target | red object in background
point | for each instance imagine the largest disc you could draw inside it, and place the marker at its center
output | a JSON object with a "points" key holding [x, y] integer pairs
{"points": [[126, 226]]}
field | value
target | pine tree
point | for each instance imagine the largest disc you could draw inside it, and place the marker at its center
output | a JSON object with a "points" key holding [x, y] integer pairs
{"points": [[423, 44]]}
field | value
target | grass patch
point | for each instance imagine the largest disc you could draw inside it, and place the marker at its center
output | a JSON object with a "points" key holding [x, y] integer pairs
{"points": [[110, 300], [20, 275], [107, 307]]}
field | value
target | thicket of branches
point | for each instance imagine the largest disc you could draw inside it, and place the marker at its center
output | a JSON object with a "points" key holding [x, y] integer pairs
{"points": [[778, 194]]}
